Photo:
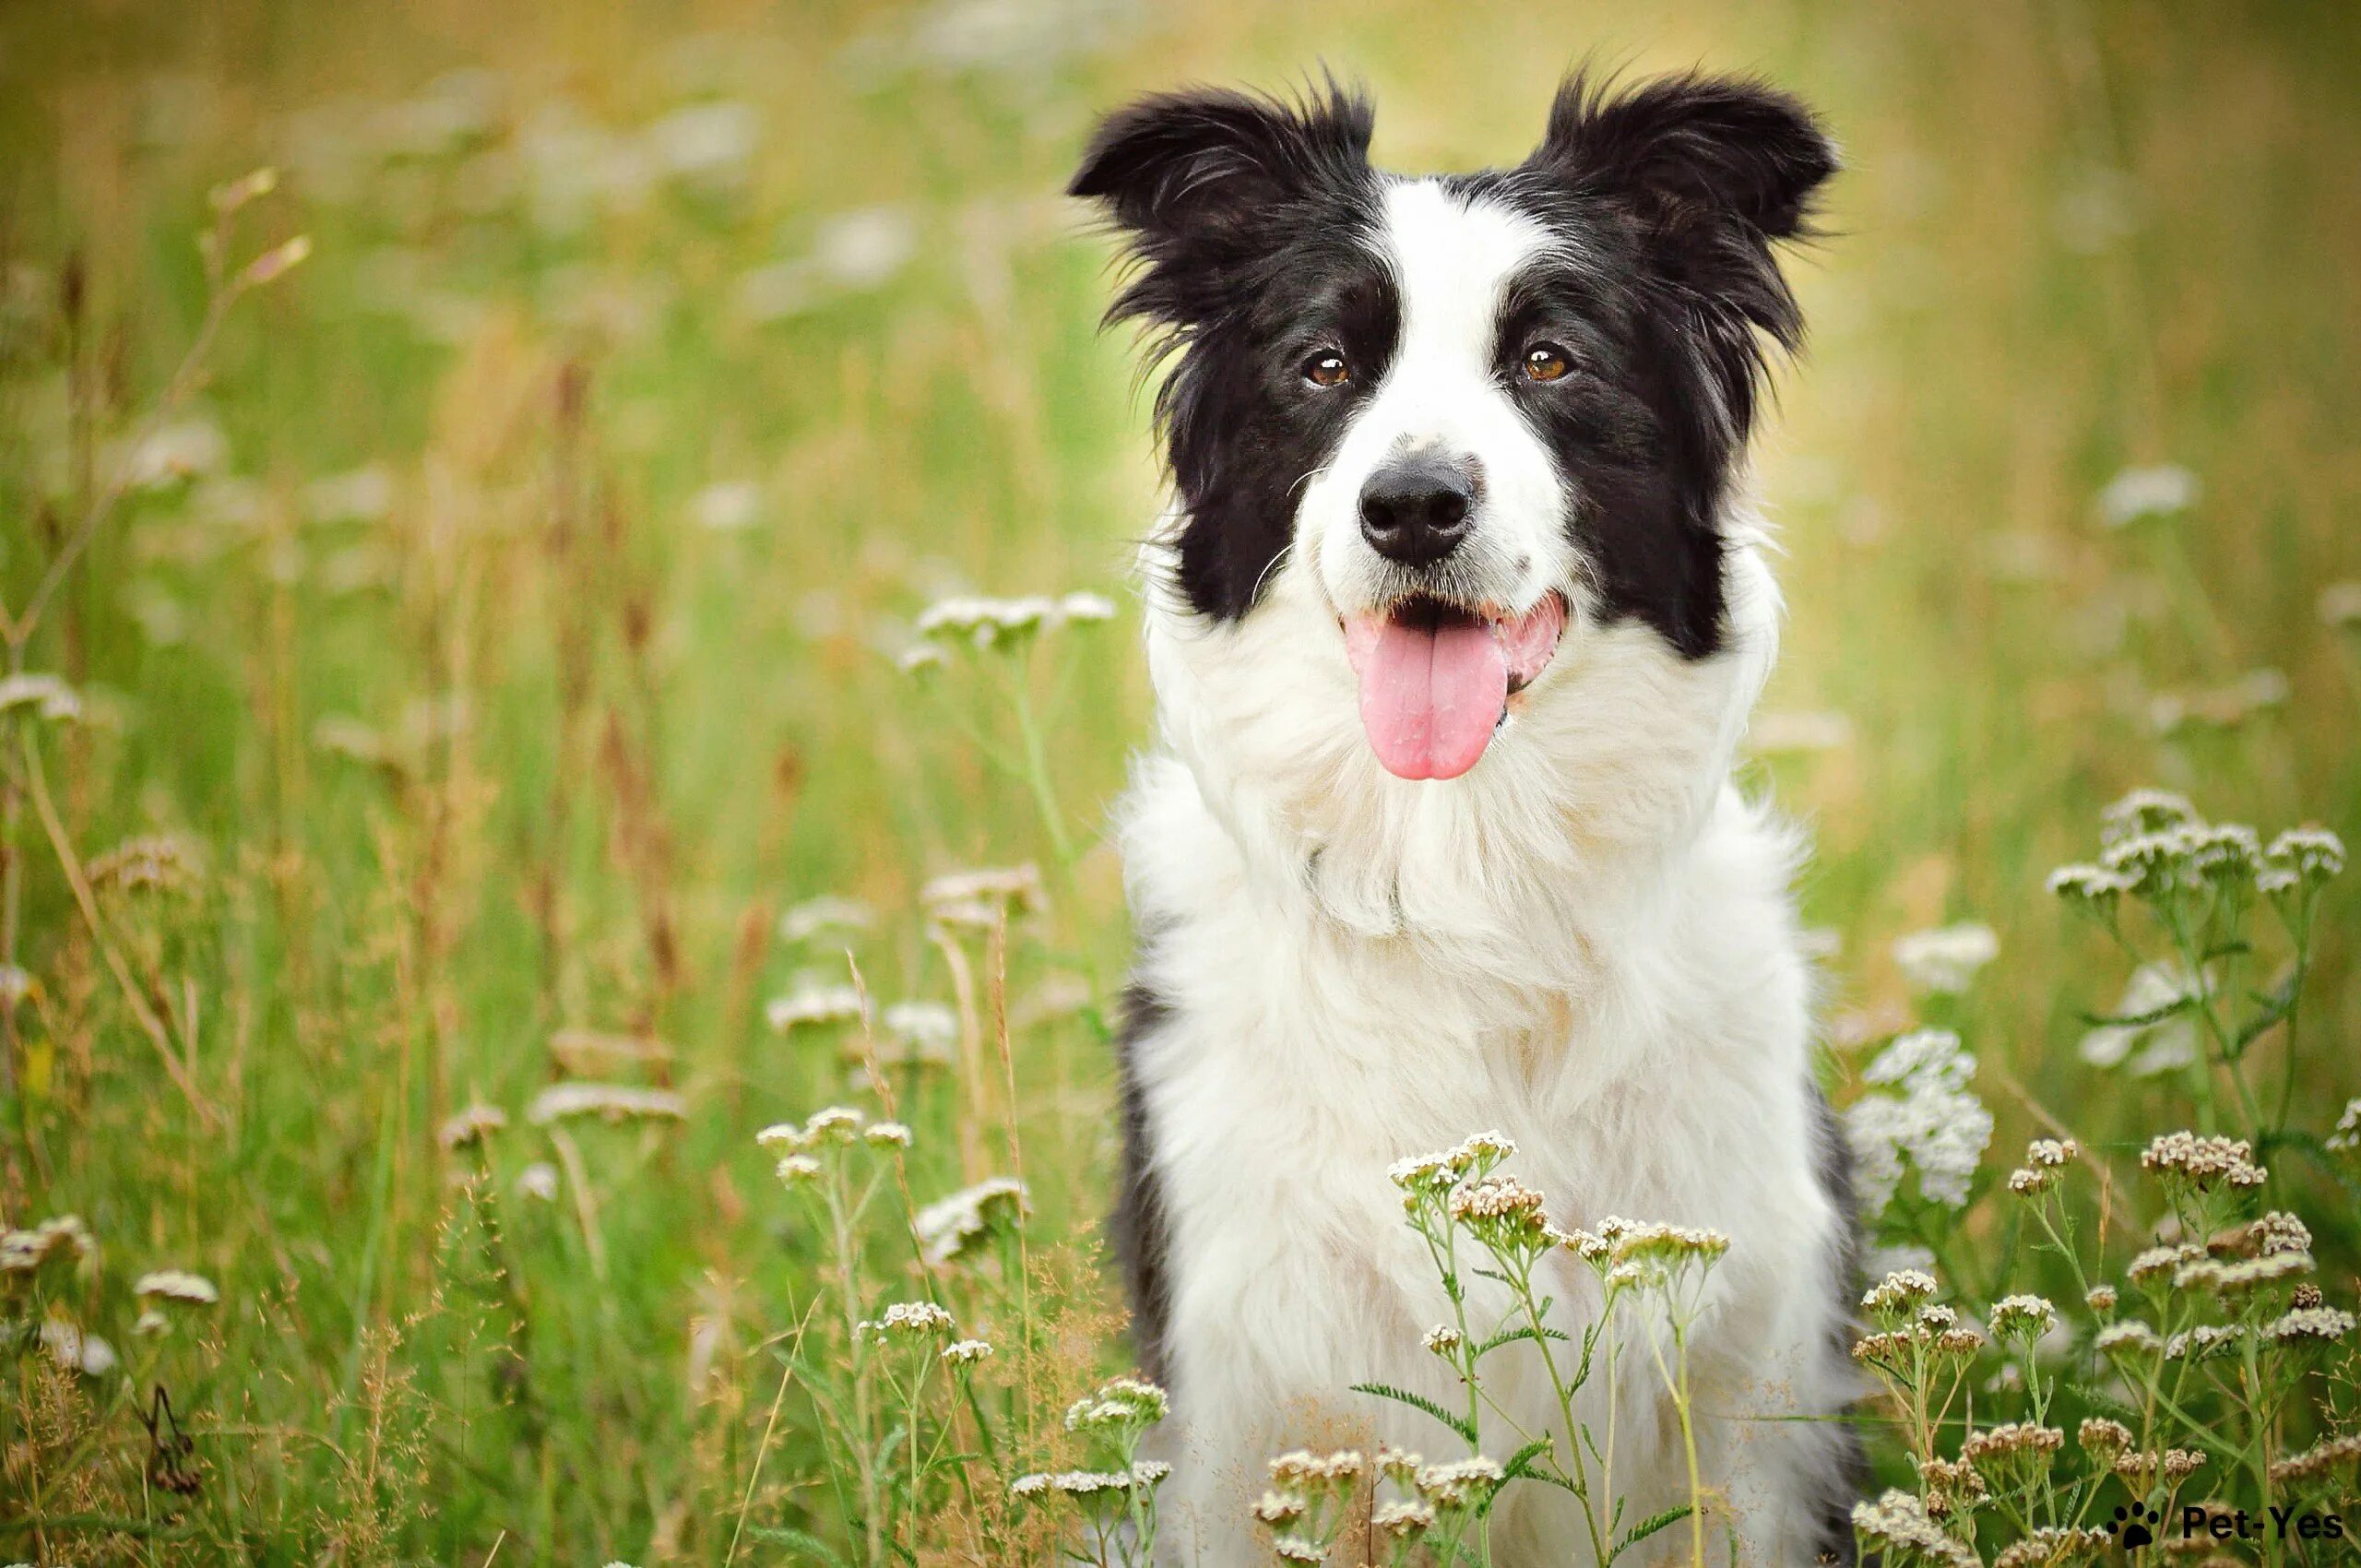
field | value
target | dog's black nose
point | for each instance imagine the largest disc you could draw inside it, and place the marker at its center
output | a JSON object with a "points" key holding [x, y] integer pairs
{"points": [[1414, 510]]}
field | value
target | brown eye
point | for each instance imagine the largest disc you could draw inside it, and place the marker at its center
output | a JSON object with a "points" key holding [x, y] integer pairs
{"points": [[1545, 362], [1327, 368]]}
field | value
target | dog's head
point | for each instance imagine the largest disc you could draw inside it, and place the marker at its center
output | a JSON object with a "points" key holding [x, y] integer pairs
{"points": [[1480, 415]]}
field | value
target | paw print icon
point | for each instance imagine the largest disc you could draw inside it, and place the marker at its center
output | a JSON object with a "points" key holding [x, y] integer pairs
{"points": [[2134, 1526]]}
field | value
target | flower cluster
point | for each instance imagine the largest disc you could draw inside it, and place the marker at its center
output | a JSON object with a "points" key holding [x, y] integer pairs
{"points": [[1002, 623], [1919, 1116], [950, 1227]]}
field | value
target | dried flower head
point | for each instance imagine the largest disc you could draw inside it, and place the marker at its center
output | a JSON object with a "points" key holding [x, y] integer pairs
{"points": [[2200, 1164], [2054, 1546], [2335, 1458], [2103, 1439]]}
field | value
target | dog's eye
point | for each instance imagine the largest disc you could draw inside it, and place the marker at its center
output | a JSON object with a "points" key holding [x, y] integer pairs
{"points": [[1545, 362], [1327, 368]]}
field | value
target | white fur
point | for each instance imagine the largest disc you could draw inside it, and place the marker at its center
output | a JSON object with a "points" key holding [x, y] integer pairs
{"points": [[1587, 943], [1450, 260]]}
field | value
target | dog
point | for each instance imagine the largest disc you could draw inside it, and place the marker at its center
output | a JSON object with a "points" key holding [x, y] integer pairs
{"points": [[1454, 621]]}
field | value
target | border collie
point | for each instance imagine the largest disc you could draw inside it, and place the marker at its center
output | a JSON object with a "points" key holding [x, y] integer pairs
{"points": [[1454, 621]]}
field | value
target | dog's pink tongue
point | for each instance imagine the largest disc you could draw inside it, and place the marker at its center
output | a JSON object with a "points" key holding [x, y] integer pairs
{"points": [[1431, 696]]}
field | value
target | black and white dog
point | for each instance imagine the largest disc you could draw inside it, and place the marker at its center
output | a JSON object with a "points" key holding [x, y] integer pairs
{"points": [[1455, 623]]}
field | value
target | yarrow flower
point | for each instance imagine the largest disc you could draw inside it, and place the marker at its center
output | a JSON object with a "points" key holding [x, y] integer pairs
{"points": [[2305, 857], [830, 1126], [1005, 622], [2346, 1139], [1461, 1483], [2336, 1455], [176, 1284], [1123, 1405], [815, 1005], [1900, 1522], [2051, 1545], [982, 900], [1920, 1116], [2323, 1325], [2046, 1160], [905, 1320], [609, 1102], [2022, 1318], [1945, 960], [2017, 1449], [825, 915], [470, 1126], [2202, 1164], [1898, 1295], [1445, 1340], [966, 1352], [951, 1227], [23, 1251]]}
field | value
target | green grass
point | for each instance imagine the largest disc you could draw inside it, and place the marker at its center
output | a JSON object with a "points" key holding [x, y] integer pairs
{"points": [[618, 744]]}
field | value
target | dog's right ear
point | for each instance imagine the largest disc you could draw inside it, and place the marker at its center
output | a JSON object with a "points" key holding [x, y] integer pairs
{"points": [[1194, 169]]}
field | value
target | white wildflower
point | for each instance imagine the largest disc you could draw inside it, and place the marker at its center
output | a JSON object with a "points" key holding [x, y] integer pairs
{"points": [[1945, 960], [539, 1181], [814, 1005], [906, 1320], [45, 694], [966, 1352], [176, 1284], [726, 506], [948, 1228], [76, 1351], [1930, 1123], [2339, 604], [826, 915], [611, 1103], [2162, 491], [471, 1125], [1900, 1522]]}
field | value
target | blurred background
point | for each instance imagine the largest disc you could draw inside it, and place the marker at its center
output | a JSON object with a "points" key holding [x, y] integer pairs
{"points": [[481, 642]]}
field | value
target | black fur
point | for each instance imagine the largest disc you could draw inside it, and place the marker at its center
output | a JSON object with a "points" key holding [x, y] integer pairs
{"points": [[1248, 218], [1250, 221], [1846, 1480], [1137, 1228]]}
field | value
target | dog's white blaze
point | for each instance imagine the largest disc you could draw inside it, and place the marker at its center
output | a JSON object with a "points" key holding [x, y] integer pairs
{"points": [[1452, 259]]}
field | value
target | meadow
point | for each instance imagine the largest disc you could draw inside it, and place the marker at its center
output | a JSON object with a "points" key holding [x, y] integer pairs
{"points": [[464, 773]]}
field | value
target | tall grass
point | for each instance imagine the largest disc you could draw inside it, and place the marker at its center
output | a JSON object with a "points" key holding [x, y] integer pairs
{"points": [[458, 681]]}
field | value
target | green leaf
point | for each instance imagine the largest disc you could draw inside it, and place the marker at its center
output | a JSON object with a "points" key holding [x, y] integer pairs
{"points": [[1510, 1335], [1419, 1402], [1647, 1528], [806, 1544], [2174, 1008]]}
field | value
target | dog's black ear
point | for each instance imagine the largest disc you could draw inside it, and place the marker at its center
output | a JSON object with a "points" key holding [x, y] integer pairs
{"points": [[1199, 166], [1693, 151]]}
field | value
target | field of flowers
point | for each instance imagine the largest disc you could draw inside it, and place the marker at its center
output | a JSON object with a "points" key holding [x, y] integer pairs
{"points": [[564, 590]]}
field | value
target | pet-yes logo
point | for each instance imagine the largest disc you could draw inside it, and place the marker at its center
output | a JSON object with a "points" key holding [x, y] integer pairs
{"points": [[2136, 1526], [2133, 1528]]}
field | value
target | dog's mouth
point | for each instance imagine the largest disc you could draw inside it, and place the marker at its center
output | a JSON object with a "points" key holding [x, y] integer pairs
{"points": [[1436, 677]]}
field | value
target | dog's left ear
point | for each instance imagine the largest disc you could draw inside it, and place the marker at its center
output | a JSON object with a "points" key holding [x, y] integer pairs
{"points": [[1693, 151]]}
